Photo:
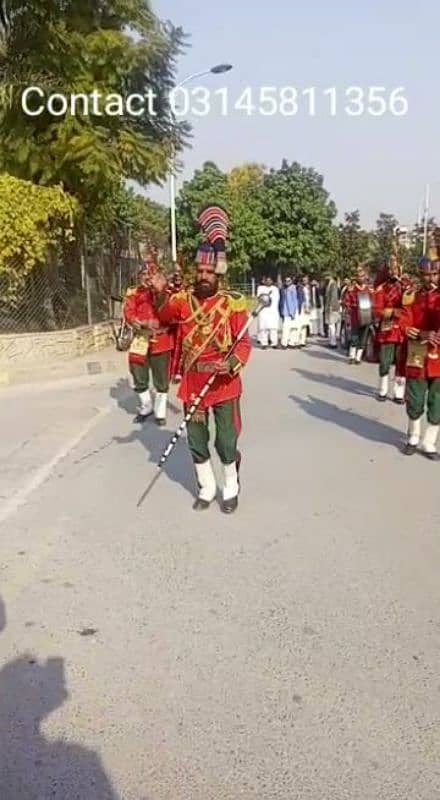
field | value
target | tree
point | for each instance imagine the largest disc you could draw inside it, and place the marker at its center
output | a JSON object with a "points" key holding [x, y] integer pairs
{"points": [[384, 239], [125, 217], [34, 222], [248, 238], [117, 46], [298, 215], [354, 243]]}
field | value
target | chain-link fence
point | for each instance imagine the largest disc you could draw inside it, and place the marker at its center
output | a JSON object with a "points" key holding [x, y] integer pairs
{"points": [[73, 291], [64, 294], [246, 287]]}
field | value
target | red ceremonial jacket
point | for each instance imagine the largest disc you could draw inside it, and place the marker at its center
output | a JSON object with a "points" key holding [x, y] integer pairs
{"points": [[139, 304], [421, 311], [208, 327], [387, 309], [350, 301]]}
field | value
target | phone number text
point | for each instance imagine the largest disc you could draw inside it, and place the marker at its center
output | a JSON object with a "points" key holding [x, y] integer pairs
{"points": [[288, 101]]}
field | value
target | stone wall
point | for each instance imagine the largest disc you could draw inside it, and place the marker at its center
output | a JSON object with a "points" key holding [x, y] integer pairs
{"points": [[23, 349]]}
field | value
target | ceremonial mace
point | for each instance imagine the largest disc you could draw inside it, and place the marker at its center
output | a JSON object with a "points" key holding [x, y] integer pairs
{"points": [[263, 301]]}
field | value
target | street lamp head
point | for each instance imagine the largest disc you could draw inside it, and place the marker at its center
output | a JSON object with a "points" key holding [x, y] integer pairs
{"points": [[219, 68]]}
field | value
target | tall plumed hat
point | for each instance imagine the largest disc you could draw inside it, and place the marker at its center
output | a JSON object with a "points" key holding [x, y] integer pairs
{"points": [[427, 265], [213, 221]]}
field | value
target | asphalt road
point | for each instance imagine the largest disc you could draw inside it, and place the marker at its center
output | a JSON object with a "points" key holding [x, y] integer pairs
{"points": [[290, 651]]}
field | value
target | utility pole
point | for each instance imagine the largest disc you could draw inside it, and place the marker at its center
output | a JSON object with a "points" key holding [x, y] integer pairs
{"points": [[425, 226]]}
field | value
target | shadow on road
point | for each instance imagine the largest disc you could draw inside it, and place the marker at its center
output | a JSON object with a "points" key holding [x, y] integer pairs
{"points": [[154, 440], [125, 397], [31, 766], [325, 354], [336, 381], [367, 428], [2, 615]]}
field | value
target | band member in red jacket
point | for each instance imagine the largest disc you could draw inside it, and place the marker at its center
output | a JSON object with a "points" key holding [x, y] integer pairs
{"points": [[210, 320], [150, 352], [359, 328], [420, 323], [387, 310]]}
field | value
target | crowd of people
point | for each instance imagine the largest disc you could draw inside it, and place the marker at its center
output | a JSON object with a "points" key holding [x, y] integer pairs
{"points": [[301, 308]]}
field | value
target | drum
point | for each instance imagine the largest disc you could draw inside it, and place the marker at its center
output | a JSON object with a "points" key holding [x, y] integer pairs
{"points": [[365, 309], [123, 335]]}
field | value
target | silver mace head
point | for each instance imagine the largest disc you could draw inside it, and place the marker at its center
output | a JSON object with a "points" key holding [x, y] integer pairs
{"points": [[264, 300]]}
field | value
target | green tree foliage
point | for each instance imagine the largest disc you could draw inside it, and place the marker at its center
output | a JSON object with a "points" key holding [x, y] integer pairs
{"points": [[384, 239], [33, 221], [299, 217], [75, 46], [128, 220], [354, 243], [249, 233]]}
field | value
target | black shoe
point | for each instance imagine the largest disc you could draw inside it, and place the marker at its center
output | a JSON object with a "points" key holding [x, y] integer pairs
{"points": [[399, 401], [264, 346], [160, 422], [141, 418], [352, 361], [382, 398], [409, 449], [431, 456], [201, 505], [229, 506]]}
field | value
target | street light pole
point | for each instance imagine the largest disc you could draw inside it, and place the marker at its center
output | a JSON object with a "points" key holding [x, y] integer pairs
{"points": [[173, 208], [217, 70]]}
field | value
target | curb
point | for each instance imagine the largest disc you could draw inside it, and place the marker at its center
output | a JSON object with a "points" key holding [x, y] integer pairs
{"points": [[61, 371]]}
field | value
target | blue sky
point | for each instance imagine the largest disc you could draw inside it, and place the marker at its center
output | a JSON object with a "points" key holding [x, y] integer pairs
{"points": [[371, 163]]}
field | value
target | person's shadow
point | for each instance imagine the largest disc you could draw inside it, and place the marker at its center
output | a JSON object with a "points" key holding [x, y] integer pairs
{"points": [[325, 354], [2, 615], [366, 427], [154, 440], [336, 381], [125, 398], [31, 766]]}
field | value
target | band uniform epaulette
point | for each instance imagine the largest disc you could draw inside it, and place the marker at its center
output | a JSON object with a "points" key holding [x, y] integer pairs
{"points": [[182, 294], [236, 300], [408, 297]]}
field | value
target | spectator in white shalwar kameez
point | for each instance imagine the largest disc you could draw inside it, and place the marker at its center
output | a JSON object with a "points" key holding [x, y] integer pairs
{"points": [[269, 318], [306, 307]]}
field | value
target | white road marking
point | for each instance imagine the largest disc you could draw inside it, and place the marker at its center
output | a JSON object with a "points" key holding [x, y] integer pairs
{"points": [[42, 474]]}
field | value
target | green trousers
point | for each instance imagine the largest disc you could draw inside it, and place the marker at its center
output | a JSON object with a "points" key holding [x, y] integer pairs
{"points": [[359, 337], [387, 357], [227, 423], [421, 392], [159, 367]]}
